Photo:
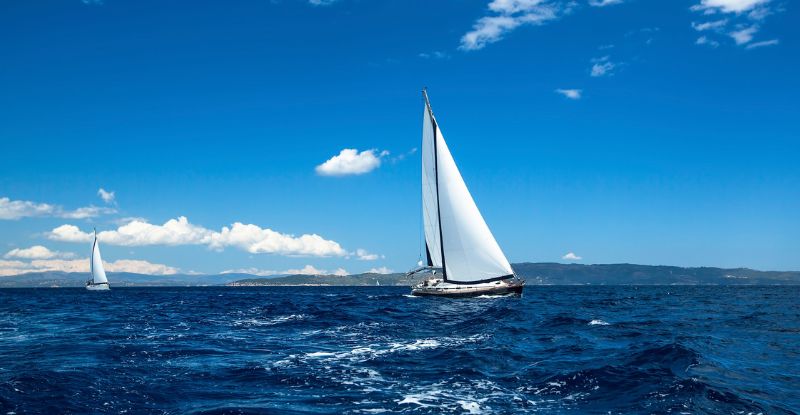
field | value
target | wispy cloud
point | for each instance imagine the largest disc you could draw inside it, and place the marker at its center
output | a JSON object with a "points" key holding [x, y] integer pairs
{"points": [[602, 67], [507, 15], [351, 162], [762, 44], [740, 20], [175, 232], [604, 3], [18, 209], [37, 252], [434, 55], [570, 93], [570, 256], [108, 197]]}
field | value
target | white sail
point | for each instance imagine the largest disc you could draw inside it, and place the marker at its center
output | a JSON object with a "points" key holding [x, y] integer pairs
{"points": [[470, 251], [430, 205], [98, 273]]}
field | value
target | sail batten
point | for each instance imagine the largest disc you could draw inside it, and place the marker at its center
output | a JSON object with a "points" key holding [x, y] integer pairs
{"points": [[457, 237]]}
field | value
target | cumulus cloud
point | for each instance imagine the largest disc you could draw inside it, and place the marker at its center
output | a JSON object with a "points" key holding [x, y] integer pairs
{"points": [[180, 231], [311, 270], [37, 252], [380, 270], [744, 35], [107, 197], [570, 256], [728, 6], [363, 255], [351, 162], [507, 15], [570, 93], [252, 271], [82, 265], [18, 209]]}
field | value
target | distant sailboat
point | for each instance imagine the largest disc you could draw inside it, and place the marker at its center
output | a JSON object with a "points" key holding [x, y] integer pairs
{"points": [[463, 257], [98, 281]]}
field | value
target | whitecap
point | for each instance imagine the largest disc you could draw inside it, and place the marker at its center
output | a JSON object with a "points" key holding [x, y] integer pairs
{"points": [[598, 323], [470, 407]]}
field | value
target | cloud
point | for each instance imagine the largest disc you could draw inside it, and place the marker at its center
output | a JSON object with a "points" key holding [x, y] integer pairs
{"points": [[381, 270], [434, 55], [350, 162], [37, 252], [82, 265], [763, 43], [704, 40], [741, 20], [363, 255], [321, 2], [507, 16], [744, 35], [180, 231], [107, 197], [728, 6], [311, 270], [602, 67], [604, 3], [570, 256], [570, 93], [18, 209]]}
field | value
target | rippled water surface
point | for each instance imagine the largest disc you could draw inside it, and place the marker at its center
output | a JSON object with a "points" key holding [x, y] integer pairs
{"points": [[720, 350]]}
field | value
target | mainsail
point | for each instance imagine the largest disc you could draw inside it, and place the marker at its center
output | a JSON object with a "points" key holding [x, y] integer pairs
{"points": [[98, 273], [456, 236]]}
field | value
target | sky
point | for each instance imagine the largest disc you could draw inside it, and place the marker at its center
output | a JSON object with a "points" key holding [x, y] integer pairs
{"points": [[281, 136]]}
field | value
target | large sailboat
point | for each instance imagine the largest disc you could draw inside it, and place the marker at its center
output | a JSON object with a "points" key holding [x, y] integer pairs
{"points": [[98, 281], [463, 258]]}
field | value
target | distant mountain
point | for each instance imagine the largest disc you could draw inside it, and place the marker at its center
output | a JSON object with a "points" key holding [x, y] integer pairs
{"points": [[534, 273]]}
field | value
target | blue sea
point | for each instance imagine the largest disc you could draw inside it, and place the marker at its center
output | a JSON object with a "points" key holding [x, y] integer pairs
{"points": [[371, 350]]}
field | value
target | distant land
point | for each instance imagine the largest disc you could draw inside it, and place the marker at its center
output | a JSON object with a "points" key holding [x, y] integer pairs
{"points": [[534, 273]]}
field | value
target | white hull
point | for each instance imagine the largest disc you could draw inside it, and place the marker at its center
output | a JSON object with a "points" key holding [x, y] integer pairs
{"points": [[98, 287]]}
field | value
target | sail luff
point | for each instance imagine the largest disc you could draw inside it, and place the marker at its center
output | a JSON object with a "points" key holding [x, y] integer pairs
{"points": [[430, 208], [98, 272]]}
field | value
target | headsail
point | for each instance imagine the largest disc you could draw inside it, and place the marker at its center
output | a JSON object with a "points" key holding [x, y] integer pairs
{"points": [[455, 232], [98, 273]]}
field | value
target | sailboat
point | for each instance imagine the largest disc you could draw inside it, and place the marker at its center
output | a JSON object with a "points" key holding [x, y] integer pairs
{"points": [[98, 281], [463, 258]]}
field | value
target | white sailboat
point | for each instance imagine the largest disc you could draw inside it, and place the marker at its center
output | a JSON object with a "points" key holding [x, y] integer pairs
{"points": [[98, 281], [463, 257]]}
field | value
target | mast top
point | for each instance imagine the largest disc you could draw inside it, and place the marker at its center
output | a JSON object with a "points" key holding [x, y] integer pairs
{"points": [[427, 101]]}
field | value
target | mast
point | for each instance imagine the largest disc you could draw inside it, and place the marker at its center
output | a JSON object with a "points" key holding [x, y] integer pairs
{"points": [[436, 175]]}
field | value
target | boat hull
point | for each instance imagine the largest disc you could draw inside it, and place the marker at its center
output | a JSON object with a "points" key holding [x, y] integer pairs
{"points": [[466, 290], [98, 287]]}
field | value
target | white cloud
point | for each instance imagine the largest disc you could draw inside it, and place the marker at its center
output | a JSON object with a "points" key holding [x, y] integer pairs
{"points": [[350, 162], [311, 270], [570, 93], [728, 6], [763, 43], [604, 3], [37, 252], [107, 197], [704, 40], [363, 255], [322, 2], [82, 265], [744, 35], [180, 231], [381, 270], [602, 66], [716, 24], [509, 14], [741, 22], [434, 55], [570, 256], [17, 209]]}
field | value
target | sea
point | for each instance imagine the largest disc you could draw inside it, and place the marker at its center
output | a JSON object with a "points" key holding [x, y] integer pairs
{"points": [[374, 350]]}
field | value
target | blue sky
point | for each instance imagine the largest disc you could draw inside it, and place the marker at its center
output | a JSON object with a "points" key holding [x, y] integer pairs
{"points": [[620, 131]]}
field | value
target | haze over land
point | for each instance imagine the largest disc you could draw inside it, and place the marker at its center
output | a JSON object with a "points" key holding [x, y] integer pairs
{"points": [[534, 273]]}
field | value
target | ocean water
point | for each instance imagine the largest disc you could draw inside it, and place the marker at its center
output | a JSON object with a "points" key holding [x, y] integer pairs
{"points": [[331, 350]]}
